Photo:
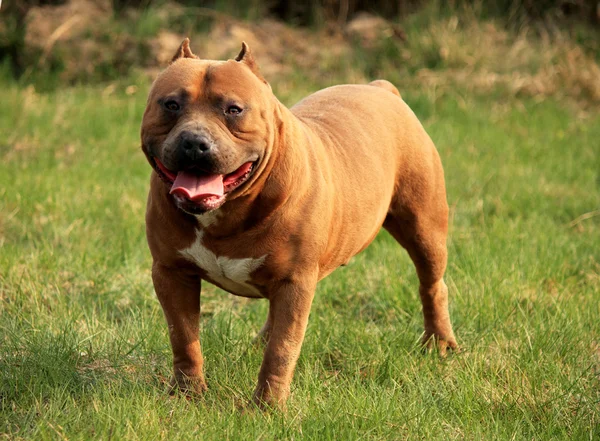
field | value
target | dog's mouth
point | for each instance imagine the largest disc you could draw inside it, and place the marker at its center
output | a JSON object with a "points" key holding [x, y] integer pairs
{"points": [[197, 191]]}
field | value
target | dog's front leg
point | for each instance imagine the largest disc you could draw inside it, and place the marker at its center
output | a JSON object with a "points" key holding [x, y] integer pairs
{"points": [[288, 311], [179, 295]]}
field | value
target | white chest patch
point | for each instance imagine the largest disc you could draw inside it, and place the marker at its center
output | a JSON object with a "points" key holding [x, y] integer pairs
{"points": [[209, 218], [231, 274]]}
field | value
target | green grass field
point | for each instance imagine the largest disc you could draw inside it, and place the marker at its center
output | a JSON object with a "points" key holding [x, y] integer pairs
{"points": [[84, 352]]}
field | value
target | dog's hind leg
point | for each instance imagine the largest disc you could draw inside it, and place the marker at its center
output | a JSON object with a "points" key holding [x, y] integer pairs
{"points": [[422, 232], [384, 84], [263, 336]]}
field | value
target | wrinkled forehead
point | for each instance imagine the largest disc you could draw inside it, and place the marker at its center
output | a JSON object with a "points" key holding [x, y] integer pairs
{"points": [[198, 79]]}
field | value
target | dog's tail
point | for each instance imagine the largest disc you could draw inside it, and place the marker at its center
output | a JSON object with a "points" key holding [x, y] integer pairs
{"points": [[386, 85]]}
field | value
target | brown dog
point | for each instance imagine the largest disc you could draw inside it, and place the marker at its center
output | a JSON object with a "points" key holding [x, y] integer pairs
{"points": [[264, 201]]}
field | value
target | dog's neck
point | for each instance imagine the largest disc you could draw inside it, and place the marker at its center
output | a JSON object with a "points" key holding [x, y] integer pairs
{"points": [[284, 175]]}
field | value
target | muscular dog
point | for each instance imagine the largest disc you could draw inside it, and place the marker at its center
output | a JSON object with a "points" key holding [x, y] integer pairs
{"points": [[264, 201]]}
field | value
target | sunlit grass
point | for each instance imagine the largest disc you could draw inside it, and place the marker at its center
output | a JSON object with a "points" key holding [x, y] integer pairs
{"points": [[84, 352]]}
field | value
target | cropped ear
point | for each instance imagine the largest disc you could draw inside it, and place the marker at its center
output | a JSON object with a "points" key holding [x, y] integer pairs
{"points": [[184, 51], [245, 56]]}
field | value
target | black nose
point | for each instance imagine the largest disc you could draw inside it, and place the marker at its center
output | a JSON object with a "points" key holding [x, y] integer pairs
{"points": [[193, 145]]}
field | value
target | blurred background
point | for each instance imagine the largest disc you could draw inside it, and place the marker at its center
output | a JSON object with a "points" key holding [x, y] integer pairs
{"points": [[524, 47]]}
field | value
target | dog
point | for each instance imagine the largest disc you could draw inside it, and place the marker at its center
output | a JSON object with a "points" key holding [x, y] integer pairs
{"points": [[264, 201]]}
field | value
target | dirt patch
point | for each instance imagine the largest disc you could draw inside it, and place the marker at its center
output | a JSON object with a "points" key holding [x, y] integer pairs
{"points": [[484, 57], [87, 43], [279, 48], [83, 38], [48, 25]]}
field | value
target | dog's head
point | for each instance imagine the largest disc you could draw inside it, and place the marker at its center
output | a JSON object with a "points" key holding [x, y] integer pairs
{"points": [[208, 127]]}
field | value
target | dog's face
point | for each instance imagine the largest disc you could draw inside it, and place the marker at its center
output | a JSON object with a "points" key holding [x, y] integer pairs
{"points": [[208, 127]]}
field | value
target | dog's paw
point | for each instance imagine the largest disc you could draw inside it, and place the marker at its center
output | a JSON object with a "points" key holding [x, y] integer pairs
{"points": [[434, 342], [190, 386], [270, 398]]}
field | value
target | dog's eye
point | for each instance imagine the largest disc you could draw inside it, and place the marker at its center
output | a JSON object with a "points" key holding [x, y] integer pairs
{"points": [[233, 110], [172, 106]]}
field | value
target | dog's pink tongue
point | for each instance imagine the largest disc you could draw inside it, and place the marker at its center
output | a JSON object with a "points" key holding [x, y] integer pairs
{"points": [[197, 187]]}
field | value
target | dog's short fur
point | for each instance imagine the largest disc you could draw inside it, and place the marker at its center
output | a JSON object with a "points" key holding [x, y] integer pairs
{"points": [[300, 191]]}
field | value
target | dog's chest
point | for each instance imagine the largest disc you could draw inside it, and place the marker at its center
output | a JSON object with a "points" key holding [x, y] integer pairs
{"points": [[231, 274]]}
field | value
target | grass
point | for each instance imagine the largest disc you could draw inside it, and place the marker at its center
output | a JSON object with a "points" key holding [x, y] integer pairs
{"points": [[84, 352]]}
